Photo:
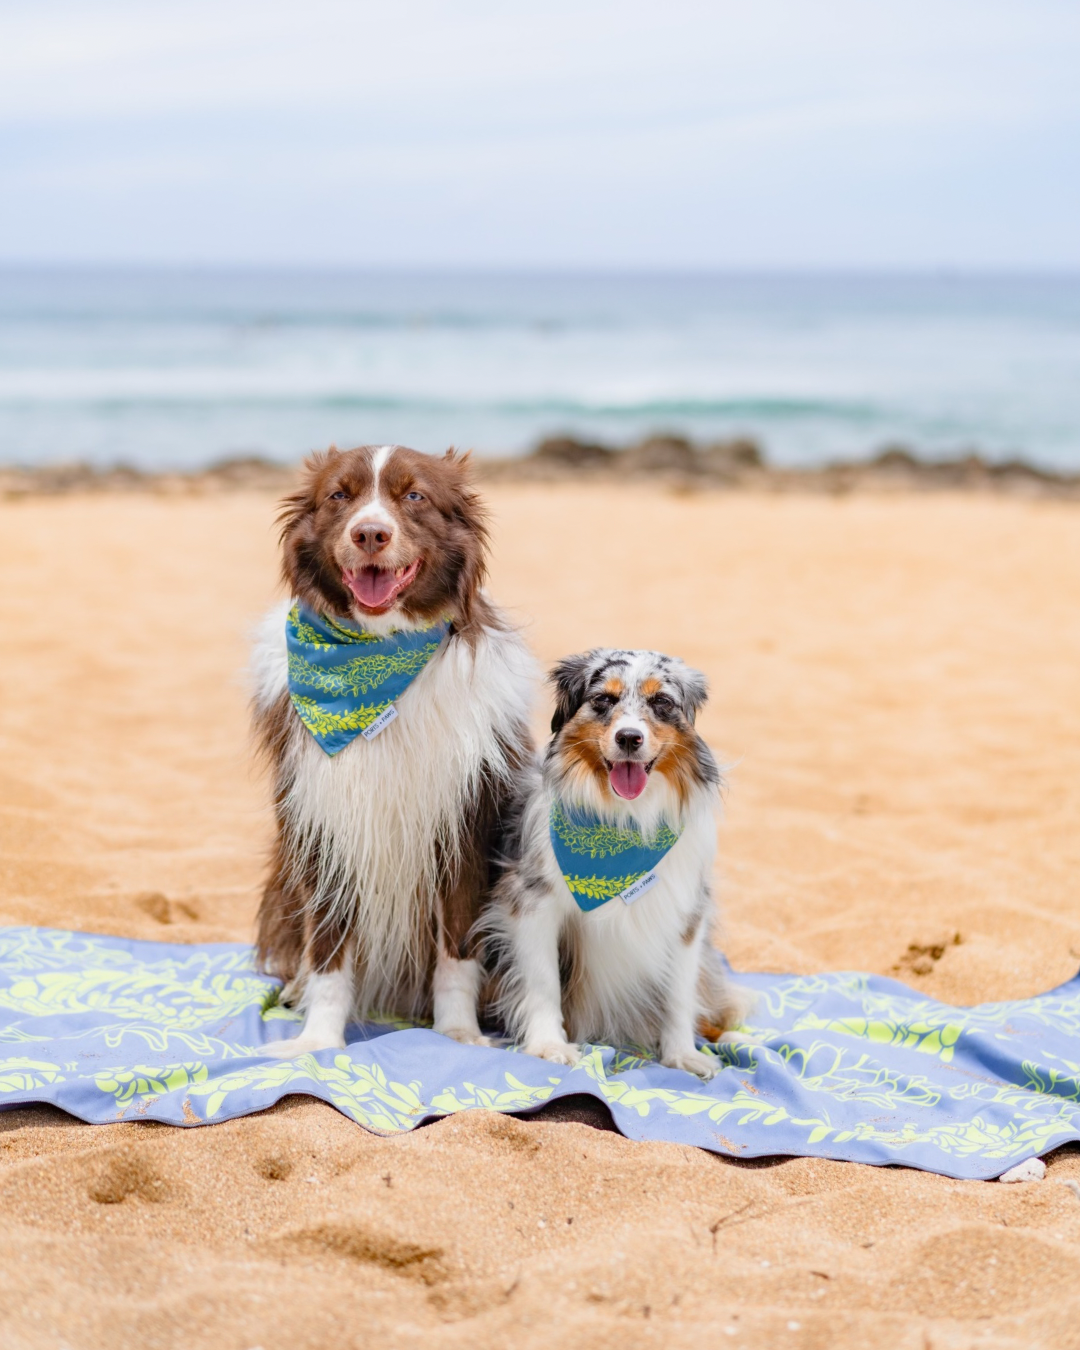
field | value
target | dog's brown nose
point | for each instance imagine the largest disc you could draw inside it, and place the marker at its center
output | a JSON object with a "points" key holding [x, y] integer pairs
{"points": [[372, 535]]}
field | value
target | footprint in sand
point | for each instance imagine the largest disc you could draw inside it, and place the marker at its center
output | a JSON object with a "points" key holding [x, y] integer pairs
{"points": [[163, 910], [274, 1166], [921, 957], [128, 1174]]}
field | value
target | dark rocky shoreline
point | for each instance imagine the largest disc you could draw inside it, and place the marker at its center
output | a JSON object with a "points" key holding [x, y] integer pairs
{"points": [[741, 464], [670, 460]]}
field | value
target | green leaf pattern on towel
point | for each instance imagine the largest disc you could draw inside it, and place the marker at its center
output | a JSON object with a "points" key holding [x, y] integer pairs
{"points": [[187, 1006]]}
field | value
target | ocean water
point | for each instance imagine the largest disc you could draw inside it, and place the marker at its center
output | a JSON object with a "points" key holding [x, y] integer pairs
{"points": [[178, 369]]}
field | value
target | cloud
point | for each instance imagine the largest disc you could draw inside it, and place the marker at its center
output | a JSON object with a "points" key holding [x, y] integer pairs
{"points": [[693, 134]]}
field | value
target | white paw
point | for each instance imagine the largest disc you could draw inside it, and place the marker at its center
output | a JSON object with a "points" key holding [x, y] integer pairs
{"points": [[300, 1045], [692, 1061], [742, 1004], [559, 1052], [465, 1035], [744, 1037]]}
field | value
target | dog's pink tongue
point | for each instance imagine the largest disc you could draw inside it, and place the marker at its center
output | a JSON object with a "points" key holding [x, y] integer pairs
{"points": [[375, 586], [628, 779]]}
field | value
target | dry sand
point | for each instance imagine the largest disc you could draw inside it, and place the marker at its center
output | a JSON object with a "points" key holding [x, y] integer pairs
{"points": [[895, 683]]}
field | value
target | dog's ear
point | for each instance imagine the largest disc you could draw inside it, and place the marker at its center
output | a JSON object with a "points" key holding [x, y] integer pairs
{"points": [[469, 511], [304, 498], [571, 679], [307, 572], [695, 691]]}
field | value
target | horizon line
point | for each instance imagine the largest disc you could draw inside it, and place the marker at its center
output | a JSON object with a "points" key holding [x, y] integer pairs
{"points": [[937, 271]]}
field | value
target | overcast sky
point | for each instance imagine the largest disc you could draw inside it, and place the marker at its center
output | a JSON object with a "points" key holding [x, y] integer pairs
{"points": [[568, 133]]}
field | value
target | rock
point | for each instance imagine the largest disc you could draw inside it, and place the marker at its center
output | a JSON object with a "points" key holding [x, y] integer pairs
{"points": [[661, 454], [896, 457], [739, 453], [572, 453]]}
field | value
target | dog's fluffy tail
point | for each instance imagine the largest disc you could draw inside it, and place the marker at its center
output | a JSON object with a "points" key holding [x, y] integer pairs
{"points": [[723, 1005]]}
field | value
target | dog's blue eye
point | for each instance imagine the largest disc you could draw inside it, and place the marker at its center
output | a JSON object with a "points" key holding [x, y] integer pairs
{"points": [[414, 496], [338, 496]]}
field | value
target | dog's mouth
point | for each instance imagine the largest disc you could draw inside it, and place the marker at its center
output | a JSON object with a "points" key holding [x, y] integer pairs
{"points": [[375, 589], [628, 777]]}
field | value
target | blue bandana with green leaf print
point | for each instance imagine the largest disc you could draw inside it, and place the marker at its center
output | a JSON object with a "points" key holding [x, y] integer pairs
{"points": [[602, 862], [345, 682]]}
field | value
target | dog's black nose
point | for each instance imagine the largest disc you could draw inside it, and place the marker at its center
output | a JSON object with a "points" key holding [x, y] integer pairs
{"points": [[628, 741], [372, 535]]}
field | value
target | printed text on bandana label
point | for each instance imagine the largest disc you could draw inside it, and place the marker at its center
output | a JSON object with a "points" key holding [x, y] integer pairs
{"points": [[380, 724], [643, 884]]}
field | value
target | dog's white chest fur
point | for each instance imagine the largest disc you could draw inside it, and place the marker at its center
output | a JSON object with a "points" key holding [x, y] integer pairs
{"points": [[381, 816], [626, 952]]}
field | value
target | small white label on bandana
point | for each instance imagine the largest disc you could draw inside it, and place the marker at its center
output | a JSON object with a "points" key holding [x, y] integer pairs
{"points": [[643, 884], [380, 724]]}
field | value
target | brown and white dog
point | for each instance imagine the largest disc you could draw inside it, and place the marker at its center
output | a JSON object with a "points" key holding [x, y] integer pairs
{"points": [[384, 851], [625, 753]]}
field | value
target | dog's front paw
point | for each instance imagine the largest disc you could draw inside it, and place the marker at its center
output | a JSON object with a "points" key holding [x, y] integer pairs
{"points": [[300, 1045], [559, 1052], [465, 1035], [692, 1061]]}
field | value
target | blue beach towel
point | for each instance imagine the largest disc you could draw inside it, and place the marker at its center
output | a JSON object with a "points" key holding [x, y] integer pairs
{"points": [[846, 1066]]}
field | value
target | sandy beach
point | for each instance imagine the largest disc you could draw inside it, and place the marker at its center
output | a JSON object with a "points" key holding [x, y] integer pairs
{"points": [[894, 689]]}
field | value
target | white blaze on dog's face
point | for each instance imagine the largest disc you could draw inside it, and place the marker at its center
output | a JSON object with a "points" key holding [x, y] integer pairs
{"points": [[384, 535], [624, 719], [378, 557]]}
